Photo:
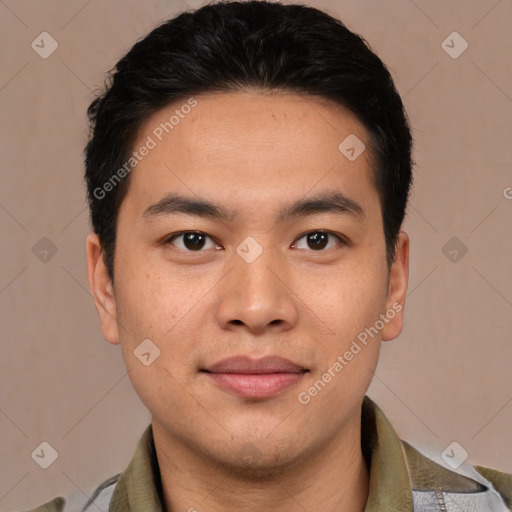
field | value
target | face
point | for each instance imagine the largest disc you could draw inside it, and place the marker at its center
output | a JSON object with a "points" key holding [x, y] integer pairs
{"points": [[250, 252]]}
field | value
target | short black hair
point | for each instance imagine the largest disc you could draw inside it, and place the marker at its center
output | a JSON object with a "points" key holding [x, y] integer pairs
{"points": [[236, 46]]}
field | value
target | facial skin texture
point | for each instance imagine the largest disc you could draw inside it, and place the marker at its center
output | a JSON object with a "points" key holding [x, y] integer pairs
{"points": [[252, 153]]}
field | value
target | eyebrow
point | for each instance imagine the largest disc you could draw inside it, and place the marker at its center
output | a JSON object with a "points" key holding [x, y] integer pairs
{"points": [[326, 202]]}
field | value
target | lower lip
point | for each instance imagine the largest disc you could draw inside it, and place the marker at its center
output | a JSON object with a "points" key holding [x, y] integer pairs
{"points": [[261, 385]]}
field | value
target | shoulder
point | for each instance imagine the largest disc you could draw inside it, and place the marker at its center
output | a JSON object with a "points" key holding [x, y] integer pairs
{"points": [[466, 485], [56, 505], [502, 482], [99, 500]]}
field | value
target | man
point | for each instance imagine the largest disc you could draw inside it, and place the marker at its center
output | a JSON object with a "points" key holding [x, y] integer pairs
{"points": [[248, 173]]}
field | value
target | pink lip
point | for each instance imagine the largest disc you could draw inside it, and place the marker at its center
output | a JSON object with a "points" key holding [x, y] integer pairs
{"points": [[251, 378]]}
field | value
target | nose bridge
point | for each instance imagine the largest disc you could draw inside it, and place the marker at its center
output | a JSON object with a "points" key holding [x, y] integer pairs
{"points": [[254, 293], [258, 277]]}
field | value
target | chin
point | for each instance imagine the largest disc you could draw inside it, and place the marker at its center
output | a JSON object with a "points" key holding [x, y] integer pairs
{"points": [[260, 467]]}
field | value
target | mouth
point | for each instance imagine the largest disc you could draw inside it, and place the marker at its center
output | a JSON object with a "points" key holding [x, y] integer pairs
{"points": [[255, 378]]}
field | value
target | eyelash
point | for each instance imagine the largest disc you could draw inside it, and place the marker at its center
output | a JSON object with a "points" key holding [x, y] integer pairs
{"points": [[171, 238]]}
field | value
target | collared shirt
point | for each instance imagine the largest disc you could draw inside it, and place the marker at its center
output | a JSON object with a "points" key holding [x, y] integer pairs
{"points": [[401, 478]]}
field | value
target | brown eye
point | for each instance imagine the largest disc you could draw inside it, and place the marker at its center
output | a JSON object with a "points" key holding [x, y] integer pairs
{"points": [[192, 241], [318, 240]]}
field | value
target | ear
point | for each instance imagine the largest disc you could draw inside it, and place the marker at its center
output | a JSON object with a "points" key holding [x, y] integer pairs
{"points": [[397, 290], [102, 289]]}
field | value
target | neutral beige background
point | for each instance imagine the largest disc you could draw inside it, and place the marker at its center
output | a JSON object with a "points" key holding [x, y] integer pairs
{"points": [[447, 378]]}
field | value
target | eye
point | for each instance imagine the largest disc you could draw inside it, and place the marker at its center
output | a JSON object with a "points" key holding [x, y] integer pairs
{"points": [[192, 241], [318, 240]]}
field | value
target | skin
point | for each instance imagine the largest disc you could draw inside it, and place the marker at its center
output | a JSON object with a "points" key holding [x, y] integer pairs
{"points": [[252, 153]]}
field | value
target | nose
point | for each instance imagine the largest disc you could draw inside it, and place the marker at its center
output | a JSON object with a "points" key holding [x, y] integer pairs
{"points": [[258, 296]]}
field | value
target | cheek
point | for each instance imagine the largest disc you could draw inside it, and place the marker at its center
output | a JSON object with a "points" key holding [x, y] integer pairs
{"points": [[149, 300], [164, 307], [155, 315], [347, 300], [350, 305]]}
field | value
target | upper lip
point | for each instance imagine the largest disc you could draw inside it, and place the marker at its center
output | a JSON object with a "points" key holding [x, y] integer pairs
{"points": [[244, 364]]}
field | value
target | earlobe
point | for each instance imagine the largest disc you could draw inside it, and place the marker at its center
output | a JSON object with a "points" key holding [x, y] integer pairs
{"points": [[102, 289], [397, 290]]}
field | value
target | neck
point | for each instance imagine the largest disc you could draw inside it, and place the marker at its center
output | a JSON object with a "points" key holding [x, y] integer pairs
{"points": [[335, 476]]}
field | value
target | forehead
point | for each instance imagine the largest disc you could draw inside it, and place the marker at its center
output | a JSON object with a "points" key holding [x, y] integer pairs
{"points": [[250, 147]]}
